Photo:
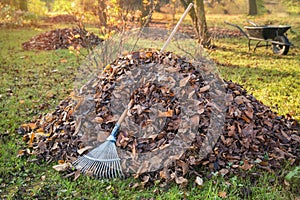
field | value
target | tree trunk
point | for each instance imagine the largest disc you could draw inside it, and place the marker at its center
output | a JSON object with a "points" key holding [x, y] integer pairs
{"points": [[199, 20], [252, 7], [203, 38], [23, 5], [102, 16]]}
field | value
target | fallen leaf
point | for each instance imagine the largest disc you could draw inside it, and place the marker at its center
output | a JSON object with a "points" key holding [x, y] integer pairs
{"points": [[181, 181], [77, 174], [199, 181], [184, 81], [21, 153], [168, 113], [205, 88], [63, 60], [184, 166], [145, 180], [61, 162], [224, 171], [195, 120], [62, 167], [163, 174], [231, 130], [222, 194], [246, 166], [30, 143], [82, 150]]}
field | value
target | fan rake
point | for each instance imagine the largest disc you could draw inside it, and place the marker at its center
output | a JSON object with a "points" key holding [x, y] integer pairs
{"points": [[103, 161]]}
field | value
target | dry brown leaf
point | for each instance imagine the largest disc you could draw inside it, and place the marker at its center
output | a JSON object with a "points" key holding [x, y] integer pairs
{"points": [[199, 181], [295, 137], [246, 119], [249, 112], [239, 100], [21, 153], [62, 167], [184, 166], [181, 181], [268, 123], [163, 174], [30, 143], [83, 150], [145, 180], [172, 69], [231, 130], [184, 81], [195, 120], [142, 169], [204, 88], [222, 194], [98, 120], [224, 171], [77, 174], [246, 166], [168, 113], [61, 162], [29, 126]]}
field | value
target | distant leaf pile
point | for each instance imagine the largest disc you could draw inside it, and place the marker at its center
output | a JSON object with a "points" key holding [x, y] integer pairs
{"points": [[215, 32], [62, 39], [253, 135], [61, 19]]}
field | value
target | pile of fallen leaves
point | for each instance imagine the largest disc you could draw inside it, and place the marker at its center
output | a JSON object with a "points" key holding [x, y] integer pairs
{"points": [[62, 39], [61, 19], [251, 135], [215, 32]]}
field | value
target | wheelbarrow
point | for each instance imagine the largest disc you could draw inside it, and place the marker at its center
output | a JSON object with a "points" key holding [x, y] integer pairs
{"points": [[269, 34]]}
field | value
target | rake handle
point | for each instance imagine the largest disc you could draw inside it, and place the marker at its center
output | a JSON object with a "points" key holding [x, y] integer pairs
{"points": [[176, 27], [114, 132]]}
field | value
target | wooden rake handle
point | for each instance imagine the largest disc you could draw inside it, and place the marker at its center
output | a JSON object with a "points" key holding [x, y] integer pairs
{"points": [[114, 132], [121, 119], [176, 27]]}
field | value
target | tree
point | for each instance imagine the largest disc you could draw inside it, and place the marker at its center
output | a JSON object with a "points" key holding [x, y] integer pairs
{"points": [[252, 7], [199, 20], [102, 15], [23, 5]]}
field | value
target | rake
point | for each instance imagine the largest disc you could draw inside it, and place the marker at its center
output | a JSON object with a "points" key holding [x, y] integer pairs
{"points": [[103, 161]]}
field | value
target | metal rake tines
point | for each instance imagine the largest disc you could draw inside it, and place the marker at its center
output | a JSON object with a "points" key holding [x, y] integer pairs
{"points": [[101, 162]]}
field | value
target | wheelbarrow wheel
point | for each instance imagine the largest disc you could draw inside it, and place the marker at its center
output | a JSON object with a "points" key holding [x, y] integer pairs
{"points": [[281, 49]]}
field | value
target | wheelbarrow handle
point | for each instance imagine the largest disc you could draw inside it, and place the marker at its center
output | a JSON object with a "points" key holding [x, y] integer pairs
{"points": [[252, 23], [241, 30]]}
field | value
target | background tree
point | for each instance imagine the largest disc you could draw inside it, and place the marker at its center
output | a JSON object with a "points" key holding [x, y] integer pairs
{"points": [[23, 5], [102, 15], [199, 20], [252, 7]]}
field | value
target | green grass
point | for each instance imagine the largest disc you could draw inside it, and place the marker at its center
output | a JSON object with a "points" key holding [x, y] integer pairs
{"points": [[33, 82]]}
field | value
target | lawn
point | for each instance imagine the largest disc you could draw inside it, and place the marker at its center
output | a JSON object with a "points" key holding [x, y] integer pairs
{"points": [[33, 83]]}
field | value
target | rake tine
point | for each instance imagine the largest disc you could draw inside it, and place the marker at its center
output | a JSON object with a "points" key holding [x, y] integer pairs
{"points": [[98, 168], [114, 169]]}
